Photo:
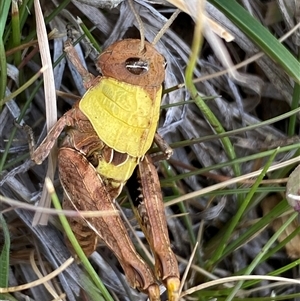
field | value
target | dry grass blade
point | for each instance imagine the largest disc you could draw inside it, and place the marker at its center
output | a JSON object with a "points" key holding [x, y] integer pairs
{"points": [[238, 278], [22, 205], [39, 281], [51, 110], [184, 276], [231, 181], [47, 284], [191, 8]]}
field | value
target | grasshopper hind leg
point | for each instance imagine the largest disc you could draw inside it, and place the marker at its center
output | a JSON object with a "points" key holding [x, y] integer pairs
{"points": [[86, 190], [149, 209]]}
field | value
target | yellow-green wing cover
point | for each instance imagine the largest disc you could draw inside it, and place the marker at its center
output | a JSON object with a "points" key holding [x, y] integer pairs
{"points": [[123, 115]]}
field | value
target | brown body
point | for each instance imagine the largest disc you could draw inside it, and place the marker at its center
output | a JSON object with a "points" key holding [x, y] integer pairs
{"points": [[94, 168]]}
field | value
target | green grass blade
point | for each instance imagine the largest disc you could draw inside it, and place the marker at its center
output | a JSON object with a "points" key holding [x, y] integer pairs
{"points": [[214, 122], [4, 9], [262, 253], [260, 36], [294, 105], [78, 249], [16, 34], [236, 218], [4, 255]]}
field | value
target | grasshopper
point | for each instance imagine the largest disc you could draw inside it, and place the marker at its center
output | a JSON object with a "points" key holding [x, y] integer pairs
{"points": [[108, 133]]}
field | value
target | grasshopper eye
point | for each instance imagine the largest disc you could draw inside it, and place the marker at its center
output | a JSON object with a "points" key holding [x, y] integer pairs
{"points": [[136, 66]]}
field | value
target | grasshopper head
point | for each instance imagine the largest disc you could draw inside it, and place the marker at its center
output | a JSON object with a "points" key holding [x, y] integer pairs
{"points": [[125, 62]]}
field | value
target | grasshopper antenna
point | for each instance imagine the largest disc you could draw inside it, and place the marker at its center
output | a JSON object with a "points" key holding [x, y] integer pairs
{"points": [[166, 26], [140, 24]]}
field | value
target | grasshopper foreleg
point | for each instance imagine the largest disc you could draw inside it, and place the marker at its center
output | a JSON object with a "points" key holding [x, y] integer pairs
{"points": [[165, 148], [88, 78]]}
